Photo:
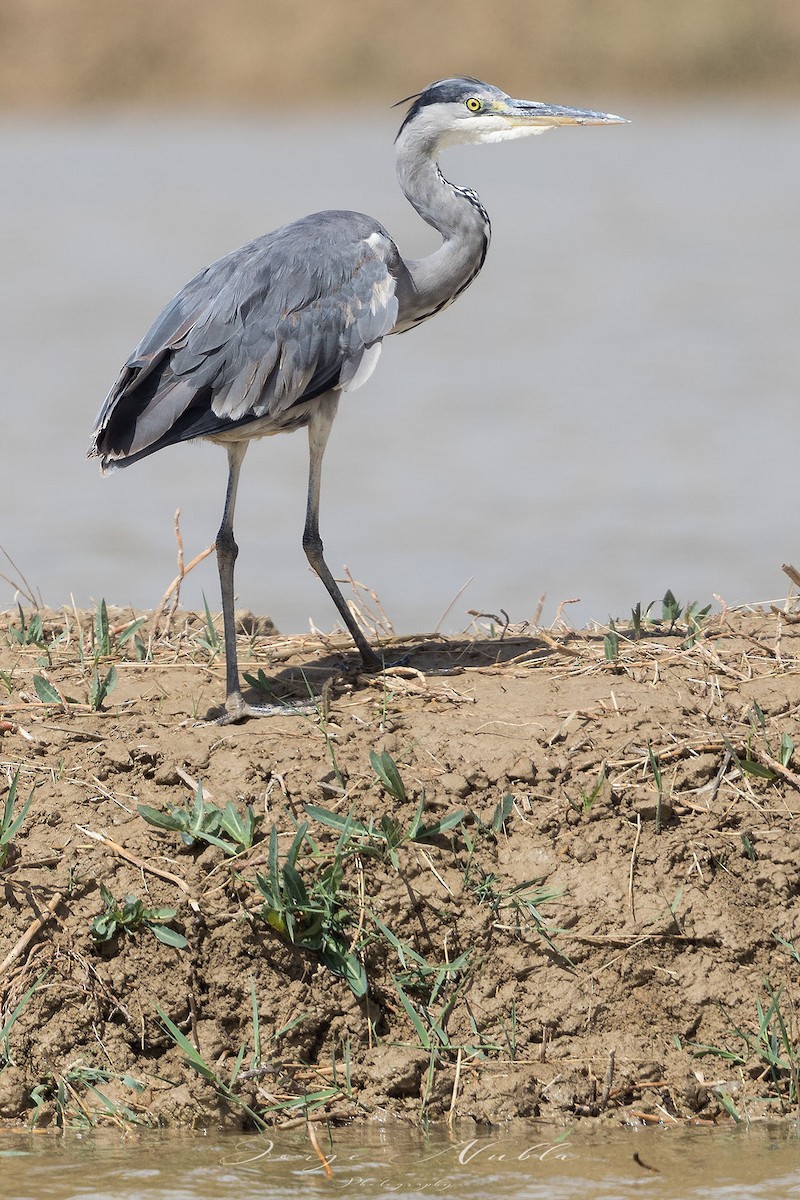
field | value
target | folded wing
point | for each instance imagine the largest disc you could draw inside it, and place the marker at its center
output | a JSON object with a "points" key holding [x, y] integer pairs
{"points": [[269, 327]]}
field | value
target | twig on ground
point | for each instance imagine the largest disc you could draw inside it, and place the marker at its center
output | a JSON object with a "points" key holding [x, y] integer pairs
{"points": [[30, 933], [192, 783], [121, 852], [633, 863], [772, 764]]}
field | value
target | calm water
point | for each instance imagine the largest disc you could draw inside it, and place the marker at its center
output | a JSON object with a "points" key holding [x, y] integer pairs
{"points": [[374, 1163], [611, 410]]}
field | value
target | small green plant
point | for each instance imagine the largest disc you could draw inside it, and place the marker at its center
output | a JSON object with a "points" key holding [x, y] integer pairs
{"points": [[209, 638], [428, 994], [430, 1027], [130, 915], [782, 753], [100, 689], [7, 680], [106, 641], [749, 764], [76, 1099], [673, 907], [588, 798], [671, 613], [204, 822], [786, 750], [637, 617], [417, 975], [694, 617], [502, 812], [261, 682], [383, 838], [655, 767], [500, 818], [386, 771], [9, 824], [522, 901], [30, 634], [260, 1064], [195, 1060], [130, 635], [728, 1104], [789, 947], [311, 916], [611, 644], [5, 1029], [772, 1048], [101, 633], [670, 610]]}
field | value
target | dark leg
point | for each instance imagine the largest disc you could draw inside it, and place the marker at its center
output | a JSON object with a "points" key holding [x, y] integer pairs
{"points": [[236, 709], [318, 431], [227, 550]]}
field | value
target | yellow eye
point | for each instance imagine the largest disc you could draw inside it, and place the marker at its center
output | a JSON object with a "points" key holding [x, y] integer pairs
{"points": [[474, 104]]}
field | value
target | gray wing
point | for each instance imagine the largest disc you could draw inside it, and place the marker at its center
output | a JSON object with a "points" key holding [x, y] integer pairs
{"points": [[276, 323]]}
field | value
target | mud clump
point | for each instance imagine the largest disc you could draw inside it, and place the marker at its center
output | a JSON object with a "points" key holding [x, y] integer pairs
{"points": [[538, 875]]}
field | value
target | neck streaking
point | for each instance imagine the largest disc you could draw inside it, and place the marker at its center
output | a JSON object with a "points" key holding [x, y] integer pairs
{"points": [[456, 213]]}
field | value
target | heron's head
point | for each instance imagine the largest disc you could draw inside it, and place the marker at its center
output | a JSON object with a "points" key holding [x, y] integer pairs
{"points": [[461, 109]]}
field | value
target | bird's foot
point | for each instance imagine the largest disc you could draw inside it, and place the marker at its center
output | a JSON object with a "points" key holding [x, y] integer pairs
{"points": [[378, 663], [371, 663], [237, 709]]}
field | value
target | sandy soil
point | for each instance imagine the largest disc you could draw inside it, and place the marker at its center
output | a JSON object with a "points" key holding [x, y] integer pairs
{"points": [[613, 885]]}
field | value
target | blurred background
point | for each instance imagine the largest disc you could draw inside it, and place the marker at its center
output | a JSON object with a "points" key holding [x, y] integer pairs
{"points": [[609, 412]]}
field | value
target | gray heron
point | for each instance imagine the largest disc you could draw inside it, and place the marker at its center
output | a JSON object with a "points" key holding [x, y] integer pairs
{"points": [[266, 339]]}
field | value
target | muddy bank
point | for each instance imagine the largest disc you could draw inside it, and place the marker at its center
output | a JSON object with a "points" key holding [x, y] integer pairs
{"points": [[544, 874]]}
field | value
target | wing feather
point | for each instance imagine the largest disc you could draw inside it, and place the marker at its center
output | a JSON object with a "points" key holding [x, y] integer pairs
{"points": [[275, 323]]}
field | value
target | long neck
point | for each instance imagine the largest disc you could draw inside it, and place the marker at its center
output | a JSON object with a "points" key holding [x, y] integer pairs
{"points": [[456, 213]]}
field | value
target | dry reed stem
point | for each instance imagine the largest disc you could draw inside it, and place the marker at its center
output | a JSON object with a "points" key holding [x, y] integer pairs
{"points": [[456, 1080], [140, 863], [312, 1137], [792, 573], [772, 764], [633, 864], [174, 588], [30, 933]]}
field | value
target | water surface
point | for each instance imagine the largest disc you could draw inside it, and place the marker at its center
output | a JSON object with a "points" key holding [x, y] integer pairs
{"points": [[609, 411], [597, 1164]]}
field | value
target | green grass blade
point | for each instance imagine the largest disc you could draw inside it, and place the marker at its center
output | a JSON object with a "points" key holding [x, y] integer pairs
{"points": [[427, 832], [24, 998], [385, 768], [193, 1056], [413, 1016]]}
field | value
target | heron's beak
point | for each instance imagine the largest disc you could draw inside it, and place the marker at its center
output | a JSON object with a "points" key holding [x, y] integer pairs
{"points": [[532, 112]]}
